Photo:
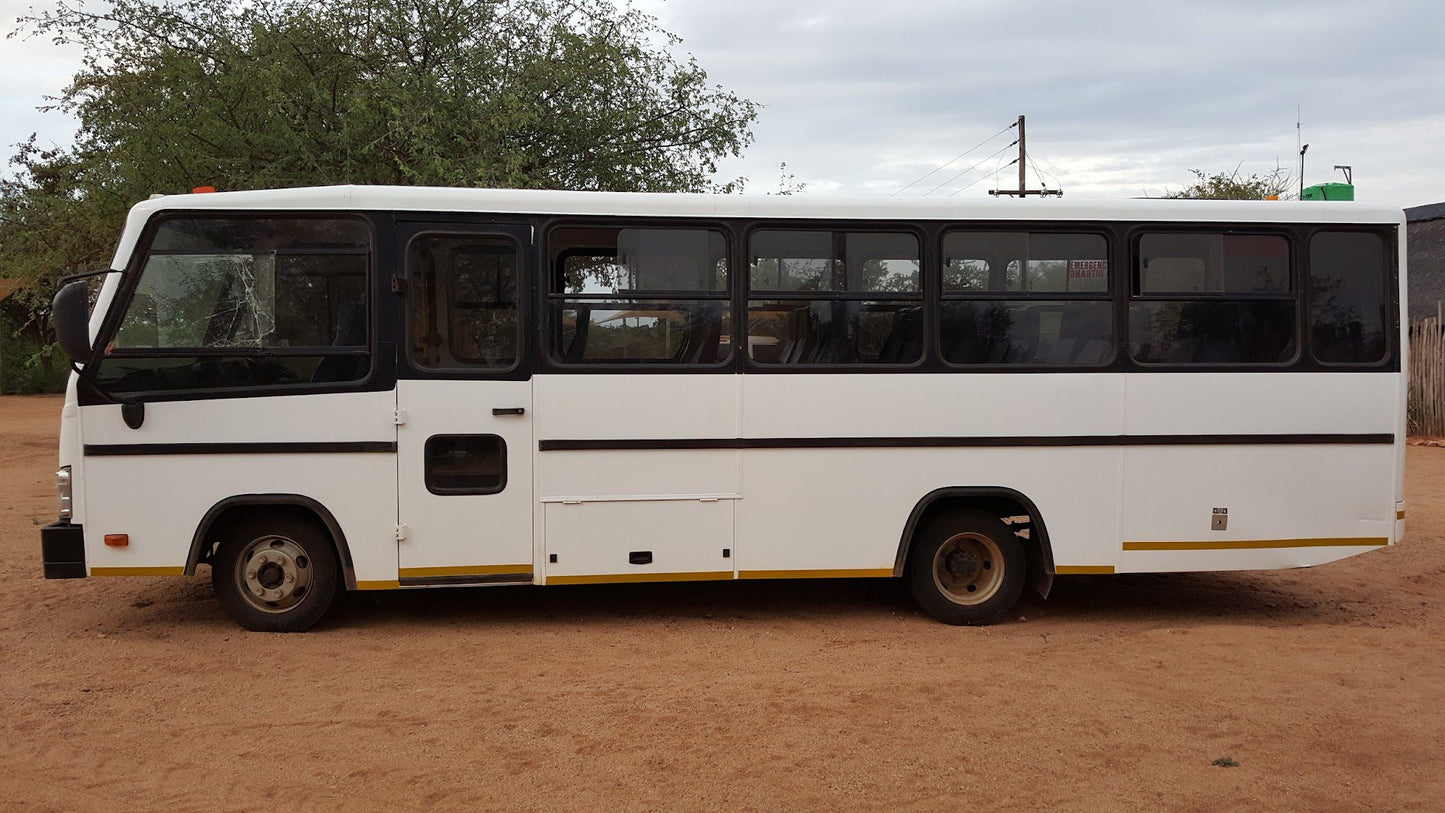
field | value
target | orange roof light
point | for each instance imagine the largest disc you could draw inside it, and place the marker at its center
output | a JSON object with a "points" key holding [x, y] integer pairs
{"points": [[203, 190]]}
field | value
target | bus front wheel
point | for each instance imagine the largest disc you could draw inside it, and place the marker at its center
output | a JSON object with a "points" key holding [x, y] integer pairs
{"points": [[275, 573], [966, 567]]}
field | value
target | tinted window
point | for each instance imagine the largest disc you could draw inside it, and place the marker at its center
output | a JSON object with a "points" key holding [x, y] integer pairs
{"points": [[1002, 299], [462, 301], [1211, 298], [465, 464], [638, 296], [826, 297], [1213, 263], [260, 301], [258, 235], [1212, 332], [793, 261], [643, 332], [834, 331], [993, 331], [1349, 309], [833, 261], [1021, 261]]}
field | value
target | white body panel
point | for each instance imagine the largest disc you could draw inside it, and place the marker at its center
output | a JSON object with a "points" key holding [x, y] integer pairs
{"points": [[160, 499], [602, 506]]}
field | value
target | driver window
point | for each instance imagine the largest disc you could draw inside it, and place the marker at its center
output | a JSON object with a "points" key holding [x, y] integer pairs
{"points": [[231, 303]]}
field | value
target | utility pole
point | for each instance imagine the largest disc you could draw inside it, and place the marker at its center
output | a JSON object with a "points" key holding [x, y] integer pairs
{"points": [[1023, 154], [1023, 191]]}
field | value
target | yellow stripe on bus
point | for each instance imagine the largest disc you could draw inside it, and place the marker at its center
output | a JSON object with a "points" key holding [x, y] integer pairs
{"points": [[378, 585], [863, 573], [1399, 515], [626, 578], [1259, 544], [466, 570], [137, 571], [1082, 570]]}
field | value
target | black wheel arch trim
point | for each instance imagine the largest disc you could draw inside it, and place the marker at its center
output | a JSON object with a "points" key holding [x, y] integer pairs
{"points": [[1036, 519], [338, 537]]}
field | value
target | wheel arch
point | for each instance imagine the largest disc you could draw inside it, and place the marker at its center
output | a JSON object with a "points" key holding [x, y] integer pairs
{"points": [[1000, 500], [240, 502]]}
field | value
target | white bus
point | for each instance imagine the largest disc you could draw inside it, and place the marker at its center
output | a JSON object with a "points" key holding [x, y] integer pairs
{"points": [[369, 388]]}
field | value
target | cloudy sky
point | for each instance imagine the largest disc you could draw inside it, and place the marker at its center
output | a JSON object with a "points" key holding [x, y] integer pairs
{"points": [[862, 97]]}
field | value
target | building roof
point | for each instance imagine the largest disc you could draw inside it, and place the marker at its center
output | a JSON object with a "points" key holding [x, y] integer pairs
{"points": [[1430, 211]]}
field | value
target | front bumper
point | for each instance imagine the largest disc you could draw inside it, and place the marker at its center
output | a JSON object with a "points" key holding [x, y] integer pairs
{"points": [[62, 547]]}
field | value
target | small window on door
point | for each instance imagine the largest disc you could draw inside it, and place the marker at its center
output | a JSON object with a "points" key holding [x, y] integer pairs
{"points": [[462, 309], [465, 464]]}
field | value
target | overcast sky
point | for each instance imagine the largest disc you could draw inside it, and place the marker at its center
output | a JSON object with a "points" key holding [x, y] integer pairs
{"points": [[861, 97]]}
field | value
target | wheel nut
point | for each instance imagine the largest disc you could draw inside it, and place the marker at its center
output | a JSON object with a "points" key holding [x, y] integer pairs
{"points": [[251, 574], [290, 578]]}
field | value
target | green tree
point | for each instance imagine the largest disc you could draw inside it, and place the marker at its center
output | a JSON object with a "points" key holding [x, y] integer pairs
{"points": [[1234, 186], [557, 94]]}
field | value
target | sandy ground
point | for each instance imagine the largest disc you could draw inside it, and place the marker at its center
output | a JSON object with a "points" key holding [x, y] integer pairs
{"points": [[1327, 686]]}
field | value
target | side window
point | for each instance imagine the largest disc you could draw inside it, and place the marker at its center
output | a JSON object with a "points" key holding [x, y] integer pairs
{"points": [[1212, 299], [651, 296], [244, 303], [1349, 308], [462, 305], [826, 297], [1026, 298]]}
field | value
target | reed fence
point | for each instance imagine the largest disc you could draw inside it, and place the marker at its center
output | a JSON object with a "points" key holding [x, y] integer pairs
{"points": [[1425, 410]]}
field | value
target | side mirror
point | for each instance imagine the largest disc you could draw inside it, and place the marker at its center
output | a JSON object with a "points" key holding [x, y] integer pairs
{"points": [[70, 314]]}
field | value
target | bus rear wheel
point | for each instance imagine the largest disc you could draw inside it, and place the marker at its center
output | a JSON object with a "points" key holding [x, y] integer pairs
{"points": [[966, 567], [275, 573]]}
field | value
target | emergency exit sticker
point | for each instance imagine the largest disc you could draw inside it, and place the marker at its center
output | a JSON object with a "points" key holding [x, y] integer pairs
{"points": [[1088, 269]]}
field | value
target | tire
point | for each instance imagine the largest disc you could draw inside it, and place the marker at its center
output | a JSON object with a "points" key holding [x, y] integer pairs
{"points": [[295, 582], [966, 567]]}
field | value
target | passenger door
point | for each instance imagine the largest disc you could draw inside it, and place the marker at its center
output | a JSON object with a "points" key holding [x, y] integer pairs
{"points": [[464, 406]]}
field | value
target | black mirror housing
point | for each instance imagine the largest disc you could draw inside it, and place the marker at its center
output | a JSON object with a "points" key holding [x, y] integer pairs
{"points": [[70, 314]]}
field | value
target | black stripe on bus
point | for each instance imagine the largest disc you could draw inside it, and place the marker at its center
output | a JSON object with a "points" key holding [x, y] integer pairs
{"points": [[969, 442], [320, 447]]}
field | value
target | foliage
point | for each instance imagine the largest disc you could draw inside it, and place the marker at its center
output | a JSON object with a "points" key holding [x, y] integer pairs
{"points": [[788, 184], [1234, 186], [562, 94]]}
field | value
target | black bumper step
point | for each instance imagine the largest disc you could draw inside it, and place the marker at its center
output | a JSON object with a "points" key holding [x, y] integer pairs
{"points": [[62, 547]]}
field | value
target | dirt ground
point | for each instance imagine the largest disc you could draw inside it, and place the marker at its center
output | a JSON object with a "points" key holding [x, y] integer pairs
{"points": [[1327, 686]]}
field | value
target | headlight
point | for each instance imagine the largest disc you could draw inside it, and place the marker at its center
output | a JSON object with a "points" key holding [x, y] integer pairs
{"points": [[62, 492]]}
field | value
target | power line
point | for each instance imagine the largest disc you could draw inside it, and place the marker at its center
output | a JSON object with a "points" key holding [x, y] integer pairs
{"points": [[956, 157], [970, 169], [1037, 169], [981, 177], [1038, 174]]}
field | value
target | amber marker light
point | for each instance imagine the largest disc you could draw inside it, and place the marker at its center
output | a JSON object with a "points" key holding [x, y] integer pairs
{"points": [[117, 540], [203, 190]]}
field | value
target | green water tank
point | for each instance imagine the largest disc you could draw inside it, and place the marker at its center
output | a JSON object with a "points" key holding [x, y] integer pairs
{"points": [[1329, 191]]}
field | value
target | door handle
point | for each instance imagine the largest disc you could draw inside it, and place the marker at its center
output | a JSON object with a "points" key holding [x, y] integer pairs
{"points": [[509, 410]]}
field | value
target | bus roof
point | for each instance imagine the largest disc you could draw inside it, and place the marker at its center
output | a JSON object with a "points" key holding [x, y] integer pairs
{"points": [[638, 204]]}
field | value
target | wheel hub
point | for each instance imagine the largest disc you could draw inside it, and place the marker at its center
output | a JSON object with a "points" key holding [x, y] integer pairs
{"points": [[965, 568], [274, 573]]}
